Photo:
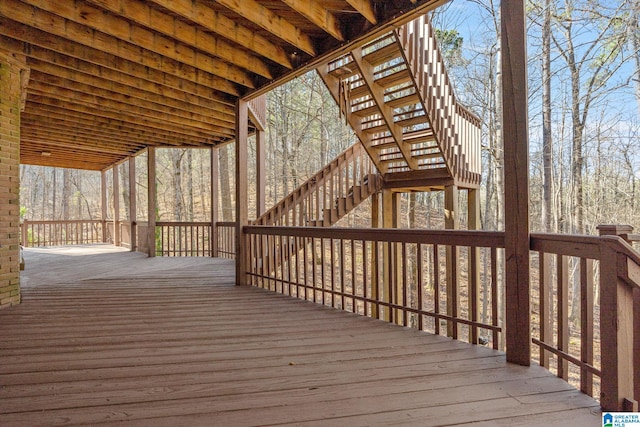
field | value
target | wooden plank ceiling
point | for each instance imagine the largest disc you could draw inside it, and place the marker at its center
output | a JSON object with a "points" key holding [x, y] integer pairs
{"points": [[110, 77]]}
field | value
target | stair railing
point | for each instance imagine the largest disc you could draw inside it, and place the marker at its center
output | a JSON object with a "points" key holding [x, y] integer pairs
{"points": [[457, 130], [323, 198]]}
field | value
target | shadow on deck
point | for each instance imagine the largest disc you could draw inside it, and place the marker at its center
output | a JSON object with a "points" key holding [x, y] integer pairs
{"points": [[105, 336]]}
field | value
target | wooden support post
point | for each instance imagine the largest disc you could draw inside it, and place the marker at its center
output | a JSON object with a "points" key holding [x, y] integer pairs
{"points": [[116, 206], [452, 222], [260, 173], [132, 204], [391, 270], [516, 180], [616, 326], [242, 264], [473, 218], [215, 167], [375, 223], [151, 200], [103, 204]]}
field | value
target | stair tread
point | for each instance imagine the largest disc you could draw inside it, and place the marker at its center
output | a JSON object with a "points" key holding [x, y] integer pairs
{"points": [[402, 123], [411, 99], [384, 54]]}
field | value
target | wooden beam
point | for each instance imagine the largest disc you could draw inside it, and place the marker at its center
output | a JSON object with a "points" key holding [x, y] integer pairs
{"points": [[516, 178], [67, 77], [100, 100], [148, 122], [211, 20], [269, 21], [155, 21], [79, 21], [56, 51], [109, 53], [318, 15], [151, 201], [365, 8], [92, 137], [242, 218], [85, 120]]}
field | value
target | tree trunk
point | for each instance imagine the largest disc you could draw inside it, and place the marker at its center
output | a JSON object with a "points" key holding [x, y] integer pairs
{"points": [[547, 148]]}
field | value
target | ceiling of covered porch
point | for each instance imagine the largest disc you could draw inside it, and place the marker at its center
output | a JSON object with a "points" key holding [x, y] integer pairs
{"points": [[110, 77]]}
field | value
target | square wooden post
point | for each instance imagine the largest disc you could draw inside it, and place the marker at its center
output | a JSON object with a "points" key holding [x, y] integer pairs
{"points": [[103, 203], [132, 204], [242, 264], [151, 200], [452, 222], [390, 254], [516, 181], [473, 218], [116, 206], [215, 167], [375, 223], [260, 173]]}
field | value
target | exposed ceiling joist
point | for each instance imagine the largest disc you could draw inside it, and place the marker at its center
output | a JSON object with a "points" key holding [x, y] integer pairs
{"points": [[110, 77], [263, 17]]}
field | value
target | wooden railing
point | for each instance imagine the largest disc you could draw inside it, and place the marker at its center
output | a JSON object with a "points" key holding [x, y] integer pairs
{"points": [[585, 293], [327, 195], [396, 275], [593, 345], [183, 239], [226, 240], [55, 233], [457, 129]]}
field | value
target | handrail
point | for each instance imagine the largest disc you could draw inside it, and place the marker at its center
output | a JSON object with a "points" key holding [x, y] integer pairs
{"points": [[318, 197], [184, 238], [225, 244], [457, 129], [319, 264], [35, 233], [390, 274], [616, 362]]}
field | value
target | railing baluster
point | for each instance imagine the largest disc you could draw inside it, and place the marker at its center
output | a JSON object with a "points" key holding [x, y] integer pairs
{"points": [[563, 314], [586, 323]]}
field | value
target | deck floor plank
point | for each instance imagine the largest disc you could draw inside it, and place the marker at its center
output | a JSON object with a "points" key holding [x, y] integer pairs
{"points": [[106, 336]]}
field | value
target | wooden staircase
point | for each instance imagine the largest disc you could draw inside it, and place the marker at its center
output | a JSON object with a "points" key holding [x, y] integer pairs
{"points": [[330, 194], [395, 93]]}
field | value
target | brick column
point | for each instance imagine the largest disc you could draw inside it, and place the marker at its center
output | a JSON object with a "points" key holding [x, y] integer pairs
{"points": [[13, 74]]}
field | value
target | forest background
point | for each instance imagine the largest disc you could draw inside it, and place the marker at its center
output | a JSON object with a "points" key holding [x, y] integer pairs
{"points": [[584, 103]]}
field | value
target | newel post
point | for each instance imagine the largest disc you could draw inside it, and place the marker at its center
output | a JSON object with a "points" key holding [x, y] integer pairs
{"points": [[615, 230], [619, 373]]}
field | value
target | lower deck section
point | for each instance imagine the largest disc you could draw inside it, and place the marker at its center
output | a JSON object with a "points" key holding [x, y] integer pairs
{"points": [[106, 336]]}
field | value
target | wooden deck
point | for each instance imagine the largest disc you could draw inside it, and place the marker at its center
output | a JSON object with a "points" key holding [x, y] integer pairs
{"points": [[106, 336]]}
